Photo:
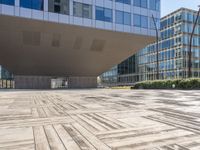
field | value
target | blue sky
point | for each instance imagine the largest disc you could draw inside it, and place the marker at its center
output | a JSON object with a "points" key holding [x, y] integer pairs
{"points": [[168, 6]]}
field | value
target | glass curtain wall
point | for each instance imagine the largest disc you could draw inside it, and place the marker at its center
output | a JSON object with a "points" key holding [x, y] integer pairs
{"points": [[175, 31], [7, 2], [173, 49], [82, 10], [32, 4], [123, 17], [59, 6], [104, 14], [6, 79]]}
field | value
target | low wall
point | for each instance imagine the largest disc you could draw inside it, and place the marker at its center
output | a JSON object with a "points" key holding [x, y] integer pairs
{"points": [[32, 82], [82, 82]]}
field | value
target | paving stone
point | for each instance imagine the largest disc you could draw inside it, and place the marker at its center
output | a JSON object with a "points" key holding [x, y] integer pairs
{"points": [[99, 119]]}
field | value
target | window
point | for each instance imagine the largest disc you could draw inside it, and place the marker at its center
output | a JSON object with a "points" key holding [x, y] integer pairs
{"points": [[177, 29], [119, 17], [7, 2], [137, 20], [140, 3], [140, 21], [108, 15], [158, 5], [100, 13], [137, 3], [127, 1], [104, 14], [26, 3], [144, 21], [37, 4], [154, 4], [178, 17], [190, 17], [163, 24], [127, 18], [82, 10], [59, 6], [124, 1], [152, 25], [123, 17], [87, 11], [77, 9], [32, 4], [144, 3]]}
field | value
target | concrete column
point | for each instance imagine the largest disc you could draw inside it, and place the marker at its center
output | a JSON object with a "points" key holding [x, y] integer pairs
{"points": [[32, 82], [82, 82]]}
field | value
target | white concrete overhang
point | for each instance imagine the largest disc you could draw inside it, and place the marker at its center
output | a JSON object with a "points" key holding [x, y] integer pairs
{"points": [[32, 47]]}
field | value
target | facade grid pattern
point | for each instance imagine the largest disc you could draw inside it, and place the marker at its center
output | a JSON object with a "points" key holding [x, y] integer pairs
{"points": [[118, 15], [175, 31]]}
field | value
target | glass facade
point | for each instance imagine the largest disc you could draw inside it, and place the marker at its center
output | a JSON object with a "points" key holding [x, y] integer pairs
{"points": [[144, 21], [4, 74], [6, 79], [94, 10], [175, 31], [104, 14], [124, 1], [154, 4], [59, 6], [123, 17], [32, 4], [141, 3], [137, 20], [82, 10], [140, 21], [97, 14], [7, 2], [110, 78]]}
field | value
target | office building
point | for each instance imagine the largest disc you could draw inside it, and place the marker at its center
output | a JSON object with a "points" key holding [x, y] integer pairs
{"points": [[78, 39], [175, 30]]}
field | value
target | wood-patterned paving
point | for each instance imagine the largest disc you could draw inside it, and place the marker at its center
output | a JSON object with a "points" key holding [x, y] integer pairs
{"points": [[100, 120]]}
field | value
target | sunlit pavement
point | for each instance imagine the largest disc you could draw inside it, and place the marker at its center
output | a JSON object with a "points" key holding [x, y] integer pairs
{"points": [[100, 119]]}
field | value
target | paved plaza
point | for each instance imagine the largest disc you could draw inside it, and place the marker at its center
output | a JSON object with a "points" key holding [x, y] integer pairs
{"points": [[100, 119]]}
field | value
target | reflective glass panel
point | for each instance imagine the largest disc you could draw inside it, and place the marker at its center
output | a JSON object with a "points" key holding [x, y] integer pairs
{"points": [[32, 4], [59, 6], [104, 14], [119, 17], [7, 2], [144, 21], [137, 20], [127, 18]]}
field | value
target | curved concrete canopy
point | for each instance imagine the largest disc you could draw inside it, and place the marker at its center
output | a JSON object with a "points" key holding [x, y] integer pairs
{"points": [[32, 47]]}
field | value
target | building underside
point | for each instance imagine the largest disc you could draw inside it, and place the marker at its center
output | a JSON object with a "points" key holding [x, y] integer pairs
{"points": [[39, 48]]}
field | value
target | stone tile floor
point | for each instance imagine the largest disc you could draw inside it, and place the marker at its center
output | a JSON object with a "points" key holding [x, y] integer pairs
{"points": [[100, 119]]}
